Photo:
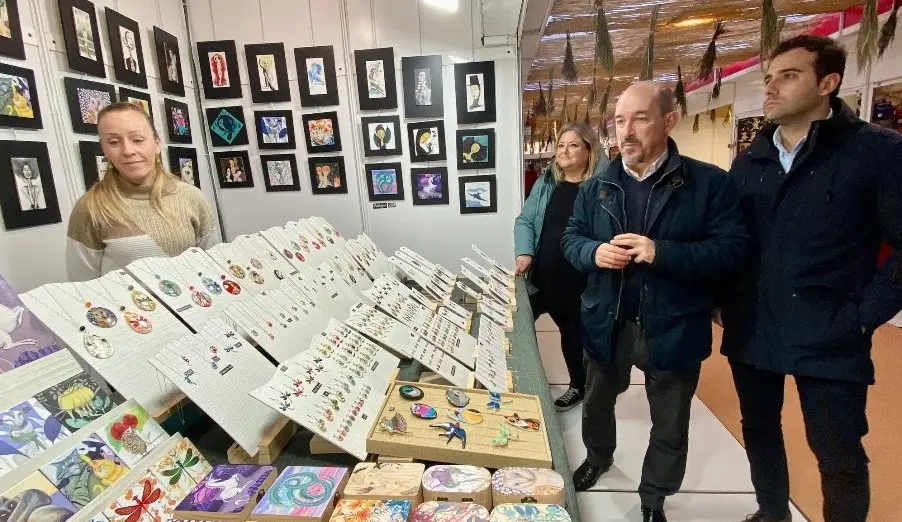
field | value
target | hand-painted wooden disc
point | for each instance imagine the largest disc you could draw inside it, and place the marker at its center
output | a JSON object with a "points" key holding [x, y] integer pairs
{"points": [[423, 411], [411, 393]]}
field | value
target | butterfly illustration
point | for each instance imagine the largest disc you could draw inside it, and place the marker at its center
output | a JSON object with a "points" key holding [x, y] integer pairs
{"points": [[504, 436], [148, 497], [494, 401]]}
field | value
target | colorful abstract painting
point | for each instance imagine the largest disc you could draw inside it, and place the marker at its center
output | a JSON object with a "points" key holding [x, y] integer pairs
{"points": [[302, 491]]}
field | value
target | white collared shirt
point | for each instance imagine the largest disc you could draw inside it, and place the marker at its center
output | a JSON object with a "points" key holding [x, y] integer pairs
{"points": [[789, 156], [651, 169]]}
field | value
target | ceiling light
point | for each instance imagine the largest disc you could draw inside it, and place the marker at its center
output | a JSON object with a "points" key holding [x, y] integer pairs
{"points": [[445, 5], [693, 22]]}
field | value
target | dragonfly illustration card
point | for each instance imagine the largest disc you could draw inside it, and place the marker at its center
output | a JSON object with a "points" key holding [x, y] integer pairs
{"points": [[228, 491], [23, 337], [85, 471], [76, 401], [301, 492], [36, 491], [145, 501], [181, 469], [133, 434], [26, 431]]}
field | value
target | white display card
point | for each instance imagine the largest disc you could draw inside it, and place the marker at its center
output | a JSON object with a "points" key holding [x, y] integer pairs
{"points": [[456, 320], [322, 224], [373, 260], [429, 284], [288, 245], [382, 328], [507, 271], [441, 271]]}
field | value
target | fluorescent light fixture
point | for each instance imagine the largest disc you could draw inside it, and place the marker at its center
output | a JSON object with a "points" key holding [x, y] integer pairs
{"points": [[445, 5]]}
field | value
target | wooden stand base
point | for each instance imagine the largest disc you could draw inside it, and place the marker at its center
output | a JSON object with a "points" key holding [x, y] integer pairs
{"points": [[176, 400], [509, 382], [272, 445]]}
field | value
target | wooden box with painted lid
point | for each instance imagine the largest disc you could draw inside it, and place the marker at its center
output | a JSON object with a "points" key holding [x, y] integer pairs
{"points": [[527, 485], [529, 513], [301, 494], [386, 481], [450, 512], [228, 492], [456, 483]]}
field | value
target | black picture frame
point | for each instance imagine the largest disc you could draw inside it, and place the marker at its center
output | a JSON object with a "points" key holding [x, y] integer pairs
{"points": [[169, 62], [139, 98], [466, 187], [86, 100], [275, 130], [274, 171], [228, 160], [128, 66], [464, 75], [425, 190], [427, 141], [178, 164], [335, 163], [415, 95], [385, 80], [226, 83], [381, 170], [390, 145], [82, 36], [275, 88], [484, 157], [317, 65], [177, 119], [25, 201], [227, 126], [318, 121], [13, 46], [92, 158], [18, 90]]}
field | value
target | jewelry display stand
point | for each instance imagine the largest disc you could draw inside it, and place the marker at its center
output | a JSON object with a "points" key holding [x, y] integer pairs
{"points": [[253, 263], [370, 257]]}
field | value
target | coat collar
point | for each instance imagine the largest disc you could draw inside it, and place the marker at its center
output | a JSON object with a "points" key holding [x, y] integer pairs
{"points": [[674, 161], [843, 119]]}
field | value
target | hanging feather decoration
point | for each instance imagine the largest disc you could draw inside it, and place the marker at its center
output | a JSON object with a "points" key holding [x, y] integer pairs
{"points": [[888, 32], [866, 45], [593, 92], [695, 124], [586, 120], [648, 63], [603, 106], [728, 117], [713, 115], [549, 140], [706, 64], [679, 93], [564, 114], [603, 123], [540, 108], [575, 114], [770, 31], [718, 75], [604, 48], [568, 71]]}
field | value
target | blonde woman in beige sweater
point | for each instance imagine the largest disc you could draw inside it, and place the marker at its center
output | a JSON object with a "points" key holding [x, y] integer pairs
{"points": [[139, 209]]}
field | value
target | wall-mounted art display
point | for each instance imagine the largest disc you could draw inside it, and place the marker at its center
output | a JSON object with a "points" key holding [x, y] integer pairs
{"points": [[86, 100], [275, 130], [169, 62], [385, 181], [429, 186], [126, 48], [321, 132], [886, 106], [267, 72], [422, 77], [316, 75], [178, 122], [478, 194], [82, 35], [139, 98], [381, 136], [327, 175], [227, 127], [475, 149], [19, 105], [376, 87], [183, 164], [474, 88], [93, 162], [234, 169], [218, 61], [27, 192], [427, 141], [11, 42], [280, 173], [746, 131]]}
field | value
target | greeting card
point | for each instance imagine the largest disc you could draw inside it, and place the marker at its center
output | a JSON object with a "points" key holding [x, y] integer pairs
{"points": [[181, 469], [133, 434], [85, 471], [26, 431], [302, 492], [23, 338], [229, 489]]}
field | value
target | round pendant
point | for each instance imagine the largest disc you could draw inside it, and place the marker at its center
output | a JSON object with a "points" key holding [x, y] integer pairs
{"points": [[144, 301], [138, 323], [457, 398], [211, 286], [101, 317], [287, 253], [470, 416], [278, 275], [202, 299], [411, 393], [423, 411], [256, 264], [257, 278], [232, 287], [295, 245], [98, 347], [169, 288], [299, 256], [236, 271]]}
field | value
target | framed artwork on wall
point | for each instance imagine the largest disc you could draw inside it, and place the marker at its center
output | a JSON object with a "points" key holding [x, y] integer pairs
{"points": [[126, 49], [381, 136], [82, 35], [475, 149], [280, 173], [19, 106], [423, 93], [86, 100], [227, 127], [218, 62], [385, 181], [327, 175], [478, 194], [183, 164], [11, 42], [267, 72], [169, 62], [275, 130], [321, 132], [234, 169], [317, 80], [93, 163], [474, 89], [139, 98], [376, 87], [427, 141], [27, 192], [178, 121], [429, 186]]}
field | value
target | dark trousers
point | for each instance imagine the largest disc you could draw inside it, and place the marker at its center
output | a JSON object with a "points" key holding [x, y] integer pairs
{"points": [[835, 422], [669, 396], [565, 315]]}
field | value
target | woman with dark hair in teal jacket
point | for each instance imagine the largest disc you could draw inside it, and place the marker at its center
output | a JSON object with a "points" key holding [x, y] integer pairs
{"points": [[554, 285]]}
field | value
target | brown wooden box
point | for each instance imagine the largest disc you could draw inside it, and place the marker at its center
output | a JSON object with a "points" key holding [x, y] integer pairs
{"points": [[457, 483], [386, 481], [527, 485], [444, 511]]}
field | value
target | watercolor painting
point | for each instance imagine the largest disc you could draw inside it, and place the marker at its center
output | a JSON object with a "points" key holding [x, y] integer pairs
{"points": [[133, 435], [77, 401], [23, 338], [460, 479], [85, 471], [181, 469], [26, 431], [450, 512], [389, 478], [302, 491], [227, 488], [34, 499], [145, 501], [371, 511], [543, 512]]}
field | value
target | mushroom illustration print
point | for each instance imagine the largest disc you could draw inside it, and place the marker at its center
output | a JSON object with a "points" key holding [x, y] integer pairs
{"points": [[126, 432]]}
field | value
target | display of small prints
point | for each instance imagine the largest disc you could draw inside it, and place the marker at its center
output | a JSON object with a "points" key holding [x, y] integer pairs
{"points": [[85, 471], [430, 186], [227, 489], [133, 434], [385, 181], [226, 126], [26, 431], [181, 469], [77, 401], [146, 501], [42, 494]]}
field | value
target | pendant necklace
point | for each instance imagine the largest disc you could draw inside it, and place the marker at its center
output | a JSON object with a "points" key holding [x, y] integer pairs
{"points": [[96, 346], [98, 316], [137, 322], [200, 297]]}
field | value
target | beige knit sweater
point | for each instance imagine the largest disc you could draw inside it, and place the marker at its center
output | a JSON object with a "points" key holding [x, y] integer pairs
{"points": [[92, 251]]}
